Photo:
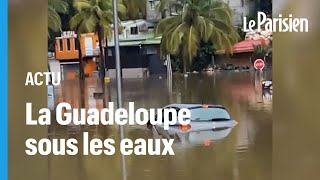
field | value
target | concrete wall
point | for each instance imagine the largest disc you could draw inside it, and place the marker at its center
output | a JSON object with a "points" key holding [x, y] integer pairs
{"points": [[156, 65], [241, 9], [239, 60], [151, 12], [130, 73]]}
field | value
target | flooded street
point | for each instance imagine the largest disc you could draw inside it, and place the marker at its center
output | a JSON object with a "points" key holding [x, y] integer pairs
{"points": [[243, 153]]}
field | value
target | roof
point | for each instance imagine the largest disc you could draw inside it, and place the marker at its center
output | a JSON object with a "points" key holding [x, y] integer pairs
{"points": [[130, 23], [246, 46], [146, 38], [188, 106]]}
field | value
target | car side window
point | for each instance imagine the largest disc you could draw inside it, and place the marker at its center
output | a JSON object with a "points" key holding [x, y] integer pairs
{"points": [[170, 114], [162, 116]]}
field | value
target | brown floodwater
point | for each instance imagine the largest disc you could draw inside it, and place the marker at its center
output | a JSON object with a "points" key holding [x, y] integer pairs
{"points": [[243, 154]]}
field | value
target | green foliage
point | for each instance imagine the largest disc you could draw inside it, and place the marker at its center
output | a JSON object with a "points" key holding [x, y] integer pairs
{"points": [[136, 9], [197, 21], [56, 7], [203, 59], [260, 51], [176, 64], [65, 18], [94, 14]]}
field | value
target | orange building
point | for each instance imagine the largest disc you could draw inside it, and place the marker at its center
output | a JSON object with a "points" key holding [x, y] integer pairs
{"points": [[65, 49], [65, 46]]}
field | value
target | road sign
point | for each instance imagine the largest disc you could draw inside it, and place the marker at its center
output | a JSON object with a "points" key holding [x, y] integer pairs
{"points": [[259, 64]]}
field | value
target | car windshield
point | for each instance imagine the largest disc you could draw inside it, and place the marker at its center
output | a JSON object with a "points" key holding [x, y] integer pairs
{"points": [[209, 114]]}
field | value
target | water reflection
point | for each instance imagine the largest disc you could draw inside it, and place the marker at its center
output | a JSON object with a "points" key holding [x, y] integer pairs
{"points": [[243, 154], [194, 137]]}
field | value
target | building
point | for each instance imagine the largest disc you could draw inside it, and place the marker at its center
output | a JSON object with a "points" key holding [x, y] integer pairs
{"points": [[139, 51], [241, 8], [151, 12]]}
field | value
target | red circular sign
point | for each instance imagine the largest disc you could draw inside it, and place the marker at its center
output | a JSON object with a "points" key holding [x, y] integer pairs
{"points": [[259, 64]]}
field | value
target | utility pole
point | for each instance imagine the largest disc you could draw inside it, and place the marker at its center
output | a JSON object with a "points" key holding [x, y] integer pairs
{"points": [[118, 77]]}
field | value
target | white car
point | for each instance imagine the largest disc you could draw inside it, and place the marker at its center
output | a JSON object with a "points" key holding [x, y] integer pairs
{"points": [[207, 122]]}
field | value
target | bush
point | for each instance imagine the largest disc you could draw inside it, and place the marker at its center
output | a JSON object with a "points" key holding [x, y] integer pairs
{"points": [[198, 63], [204, 57], [259, 52], [176, 64]]}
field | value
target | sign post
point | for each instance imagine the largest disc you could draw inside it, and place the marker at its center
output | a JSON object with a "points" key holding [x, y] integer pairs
{"points": [[118, 77], [259, 64]]}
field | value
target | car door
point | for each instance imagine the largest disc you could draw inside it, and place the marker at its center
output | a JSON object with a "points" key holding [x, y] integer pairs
{"points": [[160, 128]]}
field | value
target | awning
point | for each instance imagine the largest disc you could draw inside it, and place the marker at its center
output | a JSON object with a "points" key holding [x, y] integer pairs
{"points": [[246, 46]]}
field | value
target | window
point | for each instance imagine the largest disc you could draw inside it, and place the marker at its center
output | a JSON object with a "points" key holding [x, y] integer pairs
{"points": [[152, 6], [134, 30], [169, 113], [60, 45], [68, 44], [207, 114]]}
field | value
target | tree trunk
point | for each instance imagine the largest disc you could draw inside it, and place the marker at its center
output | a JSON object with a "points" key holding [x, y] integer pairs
{"points": [[106, 54], [81, 71], [163, 14], [184, 66], [102, 60], [213, 63]]}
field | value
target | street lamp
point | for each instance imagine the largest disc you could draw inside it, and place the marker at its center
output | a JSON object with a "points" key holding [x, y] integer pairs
{"points": [[118, 77]]}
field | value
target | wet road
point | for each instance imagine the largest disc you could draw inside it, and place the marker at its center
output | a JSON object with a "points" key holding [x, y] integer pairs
{"points": [[244, 154]]}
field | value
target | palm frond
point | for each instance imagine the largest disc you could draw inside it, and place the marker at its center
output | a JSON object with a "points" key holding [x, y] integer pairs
{"points": [[81, 5], [54, 8], [60, 6], [94, 13], [199, 21], [165, 23], [76, 20], [192, 43], [54, 21]]}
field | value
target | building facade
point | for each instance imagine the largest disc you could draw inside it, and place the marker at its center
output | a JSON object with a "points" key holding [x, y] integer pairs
{"points": [[241, 8]]}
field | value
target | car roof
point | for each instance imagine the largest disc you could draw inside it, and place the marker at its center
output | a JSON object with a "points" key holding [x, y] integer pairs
{"points": [[188, 106]]}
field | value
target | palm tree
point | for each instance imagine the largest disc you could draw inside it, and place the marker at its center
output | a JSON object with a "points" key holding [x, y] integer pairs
{"points": [[54, 8], [135, 8], [197, 21], [95, 16]]}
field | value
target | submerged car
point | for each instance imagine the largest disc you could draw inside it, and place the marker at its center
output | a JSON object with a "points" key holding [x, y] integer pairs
{"points": [[194, 137], [207, 122]]}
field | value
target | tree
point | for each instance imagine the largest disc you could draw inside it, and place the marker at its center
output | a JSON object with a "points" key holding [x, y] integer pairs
{"points": [[135, 9], [95, 16], [54, 8], [197, 21]]}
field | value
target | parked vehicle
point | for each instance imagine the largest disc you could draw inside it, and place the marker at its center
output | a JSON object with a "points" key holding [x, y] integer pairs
{"points": [[207, 122]]}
